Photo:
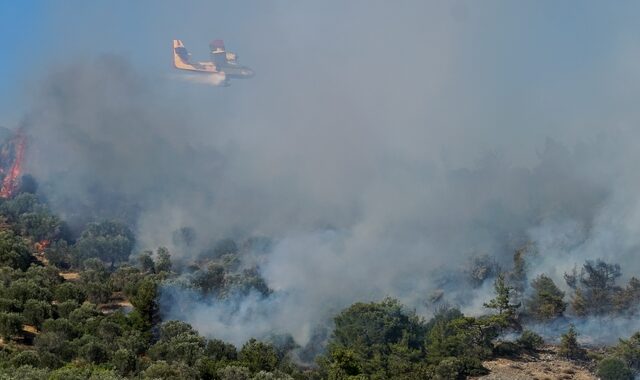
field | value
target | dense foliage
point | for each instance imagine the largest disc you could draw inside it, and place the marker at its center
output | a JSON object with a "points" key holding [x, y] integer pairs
{"points": [[79, 305]]}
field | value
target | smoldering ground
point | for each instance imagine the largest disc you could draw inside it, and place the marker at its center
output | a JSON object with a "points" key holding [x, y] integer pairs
{"points": [[379, 155]]}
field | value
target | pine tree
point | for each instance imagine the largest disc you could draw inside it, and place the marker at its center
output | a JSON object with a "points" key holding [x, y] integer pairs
{"points": [[569, 347], [502, 301], [546, 302]]}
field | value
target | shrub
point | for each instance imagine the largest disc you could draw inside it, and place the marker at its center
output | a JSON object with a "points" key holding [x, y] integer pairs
{"points": [[529, 340], [569, 347], [234, 373], [450, 369], [27, 357], [10, 325], [614, 369]]}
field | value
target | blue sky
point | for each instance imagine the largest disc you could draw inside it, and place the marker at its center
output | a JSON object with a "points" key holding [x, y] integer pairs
{"points": [[22, 24]]}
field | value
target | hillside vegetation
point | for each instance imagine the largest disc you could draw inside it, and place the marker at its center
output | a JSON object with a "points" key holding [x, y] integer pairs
{"points": [[82, 306]]}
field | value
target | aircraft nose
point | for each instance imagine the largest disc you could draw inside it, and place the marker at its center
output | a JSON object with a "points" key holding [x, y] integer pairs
{"points": [[249, 73]]}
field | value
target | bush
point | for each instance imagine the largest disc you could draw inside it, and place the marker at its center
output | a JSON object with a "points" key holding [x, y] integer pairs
{"points": [[234, 373], [68, 291], [547, 301], [24, 358], [258, 356], [124, 361], [629, 351], [10, 325], [614, 369], [65, 308], [569, 347], [165, 371], [94, 352], [25, 372], [450, 369], [529, 340], [35, 312], [507, 349]]}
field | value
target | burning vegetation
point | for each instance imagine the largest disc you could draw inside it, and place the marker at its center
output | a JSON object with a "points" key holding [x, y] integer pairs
{"points": [[12, 154], [82, 298]]}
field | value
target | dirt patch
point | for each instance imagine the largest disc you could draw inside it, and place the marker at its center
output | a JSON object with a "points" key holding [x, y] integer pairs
{"points": [[118, 301], [70, 276], [546, 365], [30, 329]]}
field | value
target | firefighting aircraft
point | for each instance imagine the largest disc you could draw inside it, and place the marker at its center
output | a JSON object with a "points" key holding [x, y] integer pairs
{"points": [[223, 64]]}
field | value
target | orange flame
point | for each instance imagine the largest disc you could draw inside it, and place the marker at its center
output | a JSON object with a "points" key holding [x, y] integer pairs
{"points": [[12, 178], [42, 245]]}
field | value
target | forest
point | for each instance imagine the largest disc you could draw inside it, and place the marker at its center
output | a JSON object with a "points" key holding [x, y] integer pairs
{"points": [[85, 306]]}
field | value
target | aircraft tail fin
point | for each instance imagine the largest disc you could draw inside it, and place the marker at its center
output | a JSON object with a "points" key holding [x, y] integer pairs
{"points": [[180, 55], [217, 52]]}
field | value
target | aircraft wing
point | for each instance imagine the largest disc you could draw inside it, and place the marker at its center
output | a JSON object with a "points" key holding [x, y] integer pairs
{"points": [[182, 60]]}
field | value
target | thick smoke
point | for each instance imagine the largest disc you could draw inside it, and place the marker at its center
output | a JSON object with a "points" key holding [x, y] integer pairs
{"points": [[380, 154]]}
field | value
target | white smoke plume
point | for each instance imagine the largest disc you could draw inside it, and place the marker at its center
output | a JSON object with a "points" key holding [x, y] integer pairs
{"points": [[215, 79], [379, 151]]}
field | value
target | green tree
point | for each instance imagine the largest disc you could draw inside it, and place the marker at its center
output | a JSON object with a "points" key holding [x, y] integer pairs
{"points": [[595, 287], [569, 347], [109, 241], [146, 262], [372, 334], [165, 371], [27, 357], [263, 375], [54, 348], [629, 351], [163, 263], [462, 337], [234, 373], [69, 291], [40, 225], [211, 280], [258, 356], [14, 251], [44, 276], [124, 361], [64, 309], [10, 325], [502, 302], [25, 289], [546, 302], [450, 368], [126, 279], [625, 300], [529, 340], [219, 350], [97, 292], [345, 363], [144, 301], [24, 372], [178, 342], [94, 351], [35, 312], [64, 328], [60, 254], [518, 277], [612, 368]]}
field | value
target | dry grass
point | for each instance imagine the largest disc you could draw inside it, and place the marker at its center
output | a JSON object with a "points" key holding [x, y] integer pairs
{"points": [[545, 366], [70, 276]]}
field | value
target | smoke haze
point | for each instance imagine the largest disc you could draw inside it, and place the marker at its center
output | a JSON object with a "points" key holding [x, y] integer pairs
{"points": [[379, 146]]}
